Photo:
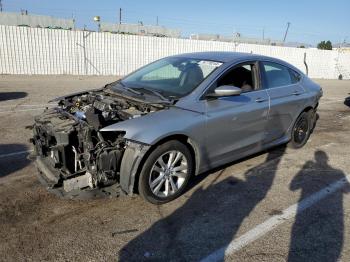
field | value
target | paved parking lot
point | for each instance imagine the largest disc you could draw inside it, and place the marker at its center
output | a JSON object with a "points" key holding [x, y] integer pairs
{"points": [[277, 205]]}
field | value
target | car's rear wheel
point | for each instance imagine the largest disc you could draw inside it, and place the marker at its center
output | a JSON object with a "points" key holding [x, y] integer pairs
{"points": [[301, 130], [165, 172]]}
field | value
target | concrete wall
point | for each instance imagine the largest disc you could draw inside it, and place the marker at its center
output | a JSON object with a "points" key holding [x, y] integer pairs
{"points": [[45, 51], [140, 29], [17, 19]]}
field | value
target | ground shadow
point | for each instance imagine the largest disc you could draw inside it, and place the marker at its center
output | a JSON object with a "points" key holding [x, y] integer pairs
{"points": [[13, 157], [208, 220], [195, 180], [318, 232], [12, 95]]}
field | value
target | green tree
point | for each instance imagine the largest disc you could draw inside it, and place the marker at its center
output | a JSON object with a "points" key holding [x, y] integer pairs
{"points": [[325, 45]]}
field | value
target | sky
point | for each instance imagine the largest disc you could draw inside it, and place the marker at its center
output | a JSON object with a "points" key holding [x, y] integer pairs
{"points": [[311, 21]]}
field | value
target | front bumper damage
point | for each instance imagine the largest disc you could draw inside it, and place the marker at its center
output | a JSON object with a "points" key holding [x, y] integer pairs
{"points": [[52, 184], [74, 161]]}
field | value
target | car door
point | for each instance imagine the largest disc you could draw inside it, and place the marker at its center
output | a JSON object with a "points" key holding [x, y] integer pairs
{"points": [[236, 124], [285, 92]]}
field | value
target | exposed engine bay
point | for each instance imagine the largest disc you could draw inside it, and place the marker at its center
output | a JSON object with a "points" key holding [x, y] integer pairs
{"points": [[100, 109], [71, 150]]}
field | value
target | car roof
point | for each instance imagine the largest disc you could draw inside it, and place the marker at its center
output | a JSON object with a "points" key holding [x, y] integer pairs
{"points": [[219, 56], [227, 57]]}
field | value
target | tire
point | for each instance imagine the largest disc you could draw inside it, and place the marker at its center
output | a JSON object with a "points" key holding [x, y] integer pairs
{"points": [[160, 183], [301, 130]]}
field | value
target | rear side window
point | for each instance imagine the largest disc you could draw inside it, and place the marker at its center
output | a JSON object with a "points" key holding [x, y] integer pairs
{"points": [[295, 76], [278, 75]]}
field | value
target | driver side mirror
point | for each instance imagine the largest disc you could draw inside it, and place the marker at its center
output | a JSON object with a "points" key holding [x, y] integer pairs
{"points": [[225, 90]]}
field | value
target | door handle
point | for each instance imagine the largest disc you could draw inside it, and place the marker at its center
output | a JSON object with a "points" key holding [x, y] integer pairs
{"points": [[260, 99], [296, 93]]}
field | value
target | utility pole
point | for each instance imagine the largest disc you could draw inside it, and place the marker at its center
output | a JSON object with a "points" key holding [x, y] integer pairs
{"points": [[0, 5], [263, 33], [157, 21], [73, 18], [97, 19], [120, 16], [24, 12], [285, 35]]}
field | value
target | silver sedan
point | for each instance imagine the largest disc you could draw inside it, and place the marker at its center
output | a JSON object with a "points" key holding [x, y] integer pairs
{"points": [[174, 118]]}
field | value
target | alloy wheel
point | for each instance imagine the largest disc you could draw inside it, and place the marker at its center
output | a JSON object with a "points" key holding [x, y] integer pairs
{"points": [[168, 174]]}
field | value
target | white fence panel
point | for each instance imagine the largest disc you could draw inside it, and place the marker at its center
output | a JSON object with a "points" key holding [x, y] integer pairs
{"points": [[44, 51]]}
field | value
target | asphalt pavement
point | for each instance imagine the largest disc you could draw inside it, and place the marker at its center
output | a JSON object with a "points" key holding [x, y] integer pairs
{"points": [[278, 205]]}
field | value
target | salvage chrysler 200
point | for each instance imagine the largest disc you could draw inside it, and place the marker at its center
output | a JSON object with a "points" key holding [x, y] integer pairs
{"points": [[177, 117]]}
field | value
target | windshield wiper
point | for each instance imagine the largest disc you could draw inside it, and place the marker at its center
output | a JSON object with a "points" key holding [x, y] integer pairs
{"points": [[156, 93], [132, 90], [135, 91]]}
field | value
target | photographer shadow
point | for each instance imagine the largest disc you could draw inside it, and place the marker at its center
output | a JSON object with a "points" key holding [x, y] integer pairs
{"points": [[208, 221], [318, 232]]}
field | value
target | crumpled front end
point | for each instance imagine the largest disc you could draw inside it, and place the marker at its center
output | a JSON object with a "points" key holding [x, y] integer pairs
{"points": [[73, 157]]}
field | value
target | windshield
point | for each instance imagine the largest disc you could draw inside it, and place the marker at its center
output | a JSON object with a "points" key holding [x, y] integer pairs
{"points": [[172, 76]]}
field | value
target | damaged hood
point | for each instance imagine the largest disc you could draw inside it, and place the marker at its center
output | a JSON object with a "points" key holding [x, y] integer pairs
{"points": [[151, 128], [145, 119], [59, 98], [103, 107], [116, 89]]}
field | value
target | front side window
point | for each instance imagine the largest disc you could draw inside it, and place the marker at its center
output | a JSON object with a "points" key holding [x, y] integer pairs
{"points": [[242, 76], [172, 76], [277, 75]]}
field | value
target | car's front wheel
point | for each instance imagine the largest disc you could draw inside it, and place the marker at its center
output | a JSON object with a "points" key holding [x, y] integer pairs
{"points": [[166, 172]]}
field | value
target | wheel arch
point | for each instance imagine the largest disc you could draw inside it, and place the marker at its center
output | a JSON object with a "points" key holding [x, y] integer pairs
{"points": [[306, 108], [187, 141]]}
